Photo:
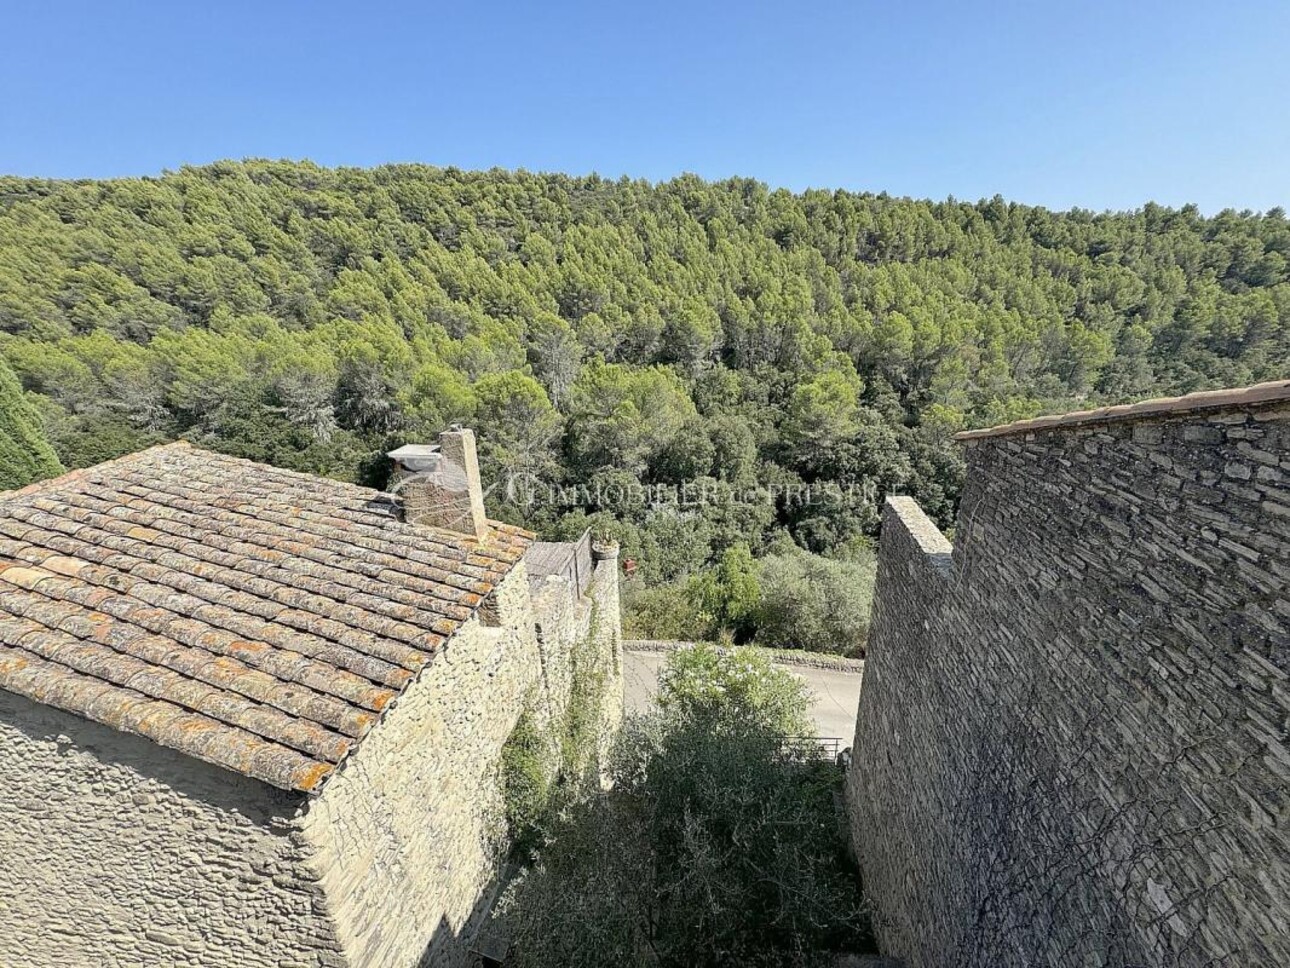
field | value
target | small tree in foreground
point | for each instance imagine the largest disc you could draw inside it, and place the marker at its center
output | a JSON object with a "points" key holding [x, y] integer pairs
{"points": [[711, 848]]}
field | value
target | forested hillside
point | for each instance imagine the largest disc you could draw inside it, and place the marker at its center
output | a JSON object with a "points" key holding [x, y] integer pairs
{"points": [[606, 334]]}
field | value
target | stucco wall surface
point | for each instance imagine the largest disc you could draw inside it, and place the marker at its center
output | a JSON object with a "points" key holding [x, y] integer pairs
{"points": [[117, 853], [1071, 746]]}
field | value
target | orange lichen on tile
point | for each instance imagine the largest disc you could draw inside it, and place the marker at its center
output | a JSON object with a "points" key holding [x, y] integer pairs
{"points": [[255, 618]]}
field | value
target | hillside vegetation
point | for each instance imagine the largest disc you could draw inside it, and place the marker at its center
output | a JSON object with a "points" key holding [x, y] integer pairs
{"points": [[605, 336], [25, 454]]}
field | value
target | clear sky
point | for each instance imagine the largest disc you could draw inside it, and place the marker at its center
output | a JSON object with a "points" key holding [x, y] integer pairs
{"points": [[1054, 102]]}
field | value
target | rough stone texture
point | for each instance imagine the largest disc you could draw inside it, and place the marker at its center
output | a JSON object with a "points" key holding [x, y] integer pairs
{"points": [[563, 617], [1071, 746], [116, 852], [410, 829]]}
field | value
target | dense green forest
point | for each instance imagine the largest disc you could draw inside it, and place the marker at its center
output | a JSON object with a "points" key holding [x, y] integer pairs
{"points": [[681, 364], [25, 454]]}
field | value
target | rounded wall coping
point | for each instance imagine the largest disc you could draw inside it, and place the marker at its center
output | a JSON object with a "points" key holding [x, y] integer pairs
{"points": [[604, 550], [1273, 392]]}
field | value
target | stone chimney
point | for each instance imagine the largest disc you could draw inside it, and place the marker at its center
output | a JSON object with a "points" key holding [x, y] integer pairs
{"points": [[439, 483]]}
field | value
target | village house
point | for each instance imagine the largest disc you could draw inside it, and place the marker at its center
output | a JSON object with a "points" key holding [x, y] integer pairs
{"points": [[250, 717]]}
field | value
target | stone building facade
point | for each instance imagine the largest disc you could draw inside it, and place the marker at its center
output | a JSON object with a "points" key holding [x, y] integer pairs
{"points": [[250, 717], [1071, 745]]}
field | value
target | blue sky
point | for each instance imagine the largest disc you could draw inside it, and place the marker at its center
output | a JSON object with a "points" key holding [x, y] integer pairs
{"points": [[1095, 104]]}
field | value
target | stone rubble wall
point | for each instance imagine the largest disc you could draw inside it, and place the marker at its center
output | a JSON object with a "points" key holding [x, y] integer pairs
{"points": [[1071, 745], [116, 852], [408, 832]]}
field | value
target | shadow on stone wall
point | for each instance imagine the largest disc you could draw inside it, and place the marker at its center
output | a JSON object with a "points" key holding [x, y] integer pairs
{"points": [[477, 944], [151, 763]]}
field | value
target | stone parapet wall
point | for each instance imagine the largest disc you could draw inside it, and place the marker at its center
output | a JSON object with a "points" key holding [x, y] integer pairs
{"points": [[1071, 745]]}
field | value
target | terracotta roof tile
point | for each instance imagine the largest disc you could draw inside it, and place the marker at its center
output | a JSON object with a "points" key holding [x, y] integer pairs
{"points": [[255, 618]]}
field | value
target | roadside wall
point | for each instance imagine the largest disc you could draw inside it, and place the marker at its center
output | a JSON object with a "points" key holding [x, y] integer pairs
{"points": [[1071, 746]]}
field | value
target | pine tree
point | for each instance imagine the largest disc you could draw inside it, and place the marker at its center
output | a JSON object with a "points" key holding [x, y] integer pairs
{"points": [[25, 454]]}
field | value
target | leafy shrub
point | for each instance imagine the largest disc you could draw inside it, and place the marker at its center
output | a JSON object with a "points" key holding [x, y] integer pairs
{"points": [[815, 603], [722, 686], [25, 454], [731, 593], [710, 848], [671, 611]]}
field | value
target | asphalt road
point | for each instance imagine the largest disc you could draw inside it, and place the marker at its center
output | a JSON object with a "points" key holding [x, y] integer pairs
{"points": [[834, 694]]}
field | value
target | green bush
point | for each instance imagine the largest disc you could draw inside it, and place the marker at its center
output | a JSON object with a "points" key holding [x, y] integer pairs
{"points": [[25, 454], [673, 611], [711, 847], [735, 687], [815, 603], [731, 593]]}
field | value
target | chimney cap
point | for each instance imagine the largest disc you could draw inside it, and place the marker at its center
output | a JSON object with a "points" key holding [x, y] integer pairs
{"points": [[416, 457]]}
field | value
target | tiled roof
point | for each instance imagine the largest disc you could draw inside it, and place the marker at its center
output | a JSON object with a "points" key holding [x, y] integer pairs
{"points": [[252, 617], [1261, 394]]}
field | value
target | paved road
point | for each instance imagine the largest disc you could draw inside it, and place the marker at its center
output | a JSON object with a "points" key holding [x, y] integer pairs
{"points": [[834, 694]]}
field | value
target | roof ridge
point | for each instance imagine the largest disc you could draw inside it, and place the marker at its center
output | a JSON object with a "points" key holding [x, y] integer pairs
{"points": [[77, 473], [1270, 392]]}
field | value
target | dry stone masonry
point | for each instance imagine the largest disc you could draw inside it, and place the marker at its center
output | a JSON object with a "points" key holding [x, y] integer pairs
{"points": [[1071, 746]]}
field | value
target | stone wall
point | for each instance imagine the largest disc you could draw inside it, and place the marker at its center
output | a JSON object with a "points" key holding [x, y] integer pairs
{"points": [[410, 832], [116, 852], [125, 853], [1071, 746]]}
